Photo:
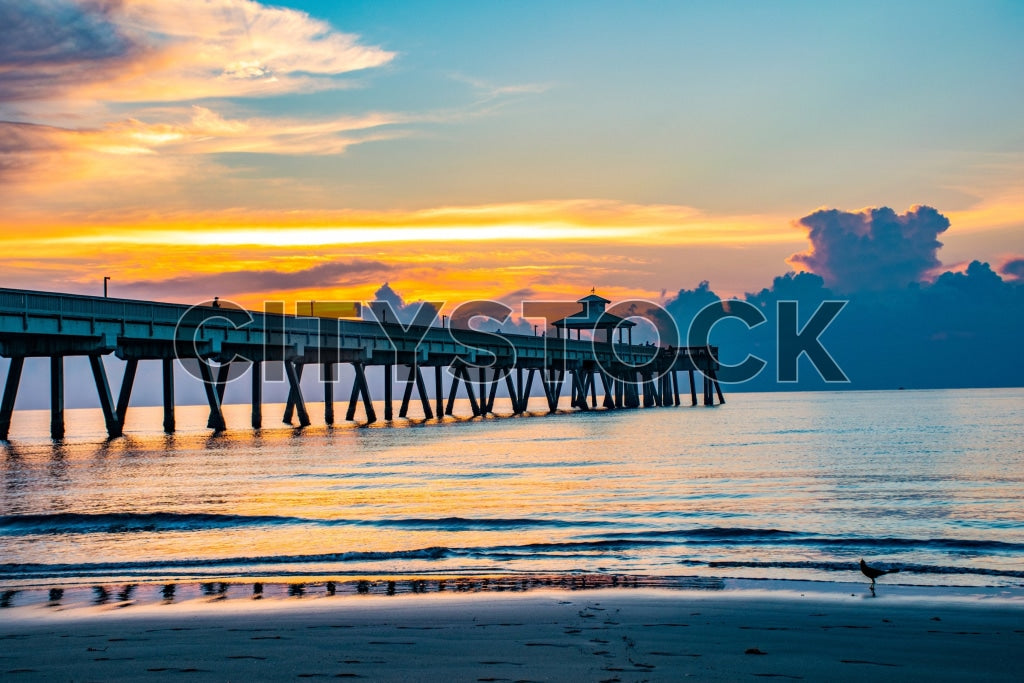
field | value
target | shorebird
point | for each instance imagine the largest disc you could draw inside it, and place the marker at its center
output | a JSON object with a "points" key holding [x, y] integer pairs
{"points": [[873, 572]]}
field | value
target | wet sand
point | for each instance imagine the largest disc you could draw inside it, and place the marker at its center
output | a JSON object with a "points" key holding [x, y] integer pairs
{"points": [[597, 635]]}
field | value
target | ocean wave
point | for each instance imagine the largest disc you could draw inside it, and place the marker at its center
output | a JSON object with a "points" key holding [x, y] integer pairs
{"points": [[753, 536], [909, 568], [120, 522], [28, 570], [128, 522], [162, 522], [499, 554]]}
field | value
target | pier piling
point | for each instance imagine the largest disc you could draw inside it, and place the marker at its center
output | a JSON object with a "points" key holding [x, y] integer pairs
{"points": [[57, 397], [257, 394]]}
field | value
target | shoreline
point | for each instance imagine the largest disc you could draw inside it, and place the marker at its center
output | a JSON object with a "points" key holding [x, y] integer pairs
{"points": [[596, 634], [79, 596]]}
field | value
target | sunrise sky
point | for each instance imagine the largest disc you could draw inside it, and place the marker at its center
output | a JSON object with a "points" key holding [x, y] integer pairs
{"points": [[457, 150]]}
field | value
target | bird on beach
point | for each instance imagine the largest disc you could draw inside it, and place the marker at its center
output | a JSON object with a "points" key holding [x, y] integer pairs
{"points": [[873, 572]]}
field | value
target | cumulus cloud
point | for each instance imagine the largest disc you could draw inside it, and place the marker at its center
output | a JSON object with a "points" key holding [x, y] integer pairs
{"points": [[872, 249], [961, 330], [388, 304], [239, 282]]}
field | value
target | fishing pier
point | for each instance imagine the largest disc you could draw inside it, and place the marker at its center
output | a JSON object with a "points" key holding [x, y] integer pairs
{"points": [[222, 341]]}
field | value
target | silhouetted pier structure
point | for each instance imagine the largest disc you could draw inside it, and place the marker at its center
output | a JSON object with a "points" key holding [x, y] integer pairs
{"points": [[54, 325]]}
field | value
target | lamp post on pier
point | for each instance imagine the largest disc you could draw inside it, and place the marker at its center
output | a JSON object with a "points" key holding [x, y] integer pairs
{"points": [[106, 279]]}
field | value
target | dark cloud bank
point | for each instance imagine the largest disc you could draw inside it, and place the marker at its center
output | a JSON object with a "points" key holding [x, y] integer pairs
{"points": [[899, 329], [48, 46]]}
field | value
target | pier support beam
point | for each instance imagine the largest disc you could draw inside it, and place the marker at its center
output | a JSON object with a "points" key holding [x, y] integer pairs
{"points": [[167, 370], [512, 391], [488, 388], [257, 394], [360, 388], [212, 396], [403, 409], [421, 389], [462, 373], [99, 375], [515, 392], [57, 397], [648, 389], [579, 393], [295, 399], [527, 391], [439, 391], [609, 390], [389, 378], [553, 387], [494, 389], [222, 385], [718, 386], [10, 394], [693, 389], [473, 405], [632, 390], [294, 392], [416, 376], [452, 389], [328, 372]]}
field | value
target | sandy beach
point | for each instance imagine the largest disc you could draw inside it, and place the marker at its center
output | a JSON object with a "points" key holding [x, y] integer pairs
{"points": [[593, 635]]}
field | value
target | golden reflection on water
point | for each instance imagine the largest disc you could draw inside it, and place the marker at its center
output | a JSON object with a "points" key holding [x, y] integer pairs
{"points": [[514, 493]]}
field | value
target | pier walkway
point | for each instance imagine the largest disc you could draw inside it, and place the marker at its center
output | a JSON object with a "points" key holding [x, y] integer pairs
{"points": [[221, 340]]}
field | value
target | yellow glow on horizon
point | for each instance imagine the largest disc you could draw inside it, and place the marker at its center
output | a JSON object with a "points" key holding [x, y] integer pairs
{"points": [[312, 237], [993, 213], [553, 249], [704, 232]]}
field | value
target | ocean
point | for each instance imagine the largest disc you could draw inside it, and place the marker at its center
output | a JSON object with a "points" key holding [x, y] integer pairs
{"points": [[790, 486]]}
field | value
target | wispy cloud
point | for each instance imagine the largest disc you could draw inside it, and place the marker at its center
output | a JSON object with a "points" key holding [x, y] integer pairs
{"points": [[197, 130], [490, 90]]}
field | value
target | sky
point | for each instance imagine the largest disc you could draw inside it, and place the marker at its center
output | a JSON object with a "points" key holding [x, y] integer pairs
{"points": [[489, 150]]}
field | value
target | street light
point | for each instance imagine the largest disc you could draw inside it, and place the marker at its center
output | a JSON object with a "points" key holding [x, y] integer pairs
{"points": [[106, 278]]}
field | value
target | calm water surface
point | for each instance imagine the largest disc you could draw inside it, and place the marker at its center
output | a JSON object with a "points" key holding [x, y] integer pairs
{"points": [[768, 486]]}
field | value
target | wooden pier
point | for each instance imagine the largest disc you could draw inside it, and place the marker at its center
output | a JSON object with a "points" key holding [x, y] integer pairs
{"points": [[222, 339]]}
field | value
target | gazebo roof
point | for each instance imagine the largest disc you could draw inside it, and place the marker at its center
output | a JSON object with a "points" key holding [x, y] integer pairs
{"points": [[601, 321], [592, 317]]}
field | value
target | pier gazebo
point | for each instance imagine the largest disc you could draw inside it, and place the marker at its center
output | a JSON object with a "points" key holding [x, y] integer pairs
{"points": [[594, 317]]}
